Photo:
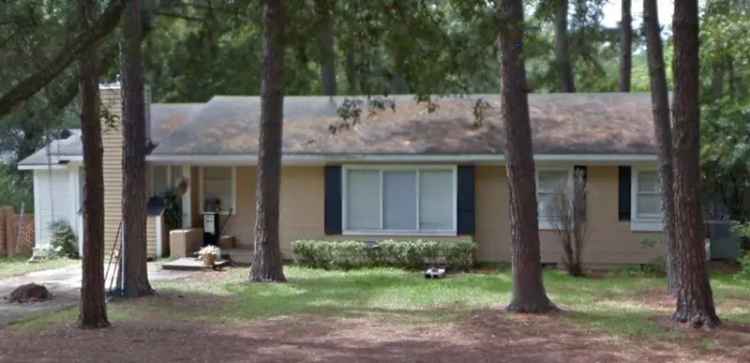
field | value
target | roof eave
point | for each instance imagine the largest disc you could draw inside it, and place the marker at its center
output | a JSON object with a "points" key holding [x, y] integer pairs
{"points": [[323, 159]]}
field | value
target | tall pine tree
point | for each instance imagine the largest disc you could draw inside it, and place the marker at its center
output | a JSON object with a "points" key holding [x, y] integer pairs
{"points": [[267, 264], [695, 303], [135, 269], [529, 295], [93, 310]]}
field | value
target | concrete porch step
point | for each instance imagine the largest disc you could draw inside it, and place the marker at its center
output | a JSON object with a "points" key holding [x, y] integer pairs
{"points": [[191, 264], [238, 256]]}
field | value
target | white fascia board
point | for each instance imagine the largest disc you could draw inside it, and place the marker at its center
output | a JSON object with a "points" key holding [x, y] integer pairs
{"points": [[322, 159], [43, 167]]}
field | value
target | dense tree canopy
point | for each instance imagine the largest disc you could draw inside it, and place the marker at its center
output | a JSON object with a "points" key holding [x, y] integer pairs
{"points": [[195, 49]]}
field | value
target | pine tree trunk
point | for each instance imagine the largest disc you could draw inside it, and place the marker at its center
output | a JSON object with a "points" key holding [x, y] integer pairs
{"points": [[134, 156], [562, 48], [529, 295], [326, 43], [93, 310], [626, 47], [663, 134], [695, 304], [267, 265]]}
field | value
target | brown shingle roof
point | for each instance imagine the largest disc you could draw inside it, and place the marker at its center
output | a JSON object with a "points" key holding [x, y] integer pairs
{"points": [[600, 123], [165, 119]]}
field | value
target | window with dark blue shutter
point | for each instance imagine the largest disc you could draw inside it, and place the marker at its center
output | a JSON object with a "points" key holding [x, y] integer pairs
{"points": [[332, 199], [624, 198], [466, 199]]}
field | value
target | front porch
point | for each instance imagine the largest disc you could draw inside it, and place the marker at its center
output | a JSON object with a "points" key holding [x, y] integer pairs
{"points": [[229, 192]]}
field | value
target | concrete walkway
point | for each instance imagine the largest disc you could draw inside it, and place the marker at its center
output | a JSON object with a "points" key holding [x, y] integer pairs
{"points": [[64, 284]]}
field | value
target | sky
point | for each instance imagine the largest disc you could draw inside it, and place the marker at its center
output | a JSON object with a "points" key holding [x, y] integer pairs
{"points": [[613, 12]]}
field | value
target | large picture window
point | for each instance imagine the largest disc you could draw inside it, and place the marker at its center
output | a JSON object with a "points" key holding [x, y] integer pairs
{"points": [[217, 189], [399, 200]]}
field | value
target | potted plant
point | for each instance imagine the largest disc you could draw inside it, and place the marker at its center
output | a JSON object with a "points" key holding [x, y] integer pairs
{"points": [[209, 255]]}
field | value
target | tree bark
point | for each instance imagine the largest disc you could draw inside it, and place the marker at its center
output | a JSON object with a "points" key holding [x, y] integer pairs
{"points": [[529, 295], [626, 47], [267, 265], [326, 44], [562, 48], [695, 304], [93, 309], [662, 133], [92, 36], [135, 269]]}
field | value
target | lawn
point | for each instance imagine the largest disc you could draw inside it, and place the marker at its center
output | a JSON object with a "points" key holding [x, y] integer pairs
{"points": [[14, 266], [376, 312]]}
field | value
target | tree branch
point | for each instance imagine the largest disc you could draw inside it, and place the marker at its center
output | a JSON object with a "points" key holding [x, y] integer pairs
{"points": [[82, 42]]}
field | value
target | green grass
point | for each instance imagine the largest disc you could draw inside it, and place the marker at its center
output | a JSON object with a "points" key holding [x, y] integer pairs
{"points": [[14, 266], [616, 304]]}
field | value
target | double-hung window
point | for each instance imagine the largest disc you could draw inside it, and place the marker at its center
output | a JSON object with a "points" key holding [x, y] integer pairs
{"points": [[399, 200], [646, 211], [550, 182]]}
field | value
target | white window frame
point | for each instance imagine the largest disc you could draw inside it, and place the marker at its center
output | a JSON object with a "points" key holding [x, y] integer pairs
{"points": [[547, 224], [453, 231], [233, 188], [651, 223]]}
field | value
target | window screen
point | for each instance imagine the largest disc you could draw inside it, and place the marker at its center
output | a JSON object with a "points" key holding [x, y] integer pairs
{"points": [[550, 182], [436, 197], [648, 197], [400, 200], [363, 199]]}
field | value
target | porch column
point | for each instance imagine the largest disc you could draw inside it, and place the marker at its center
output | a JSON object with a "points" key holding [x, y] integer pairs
{"points": [[187, 207]]}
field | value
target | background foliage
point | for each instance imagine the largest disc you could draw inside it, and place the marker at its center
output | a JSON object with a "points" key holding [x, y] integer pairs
{"points": [[196, 49]]}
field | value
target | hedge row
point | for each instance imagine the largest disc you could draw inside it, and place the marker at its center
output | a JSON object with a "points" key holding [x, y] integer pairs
{"points": [[457, 255]]}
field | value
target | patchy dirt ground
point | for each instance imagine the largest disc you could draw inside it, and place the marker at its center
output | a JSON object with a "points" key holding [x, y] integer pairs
{"points": [[484, 336]]}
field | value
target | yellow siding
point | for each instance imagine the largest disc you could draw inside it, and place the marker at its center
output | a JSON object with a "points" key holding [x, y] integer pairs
{"points": [[112, 167], [609, 240], [242, 223], [151, 228], [302, 216]]}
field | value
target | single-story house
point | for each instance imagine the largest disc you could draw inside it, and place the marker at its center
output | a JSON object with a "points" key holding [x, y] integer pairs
{"points": [[401, 170]]}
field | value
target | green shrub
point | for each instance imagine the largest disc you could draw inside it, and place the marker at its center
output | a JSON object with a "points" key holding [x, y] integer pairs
{"points": [[744, 272], [417, 254], [64, 242]]}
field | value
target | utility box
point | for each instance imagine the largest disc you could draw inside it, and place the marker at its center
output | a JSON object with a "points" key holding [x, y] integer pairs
{"points": [[211, 228], [724, 244]]}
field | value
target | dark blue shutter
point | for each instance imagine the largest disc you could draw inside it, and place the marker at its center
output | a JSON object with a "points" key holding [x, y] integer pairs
{"points": [[332, 199], [466, 199], [623, 210]]}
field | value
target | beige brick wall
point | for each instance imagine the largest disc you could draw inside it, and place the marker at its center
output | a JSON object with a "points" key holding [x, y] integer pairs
{"points": [[609, 240], [302, 216]]}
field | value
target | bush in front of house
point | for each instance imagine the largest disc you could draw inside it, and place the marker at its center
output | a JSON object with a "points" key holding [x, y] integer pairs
{"points": [[64, 242], [416, 254]]}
